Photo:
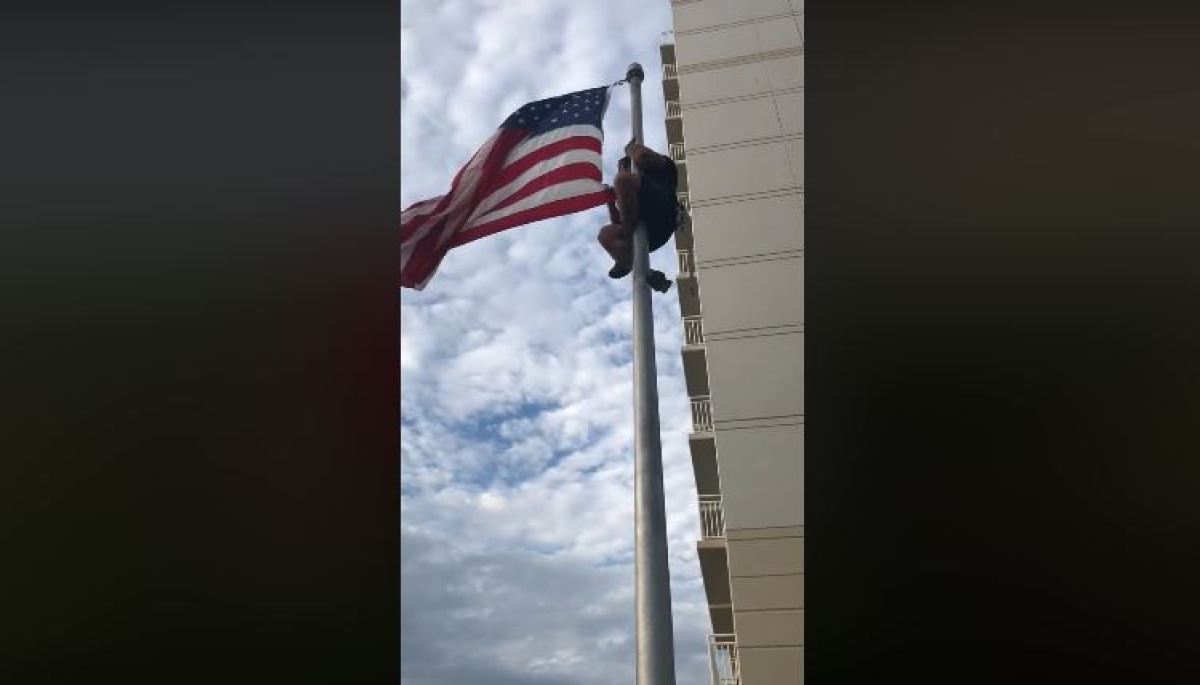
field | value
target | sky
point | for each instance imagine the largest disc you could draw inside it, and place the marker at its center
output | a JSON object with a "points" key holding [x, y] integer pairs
{"points": [[516, 374]]}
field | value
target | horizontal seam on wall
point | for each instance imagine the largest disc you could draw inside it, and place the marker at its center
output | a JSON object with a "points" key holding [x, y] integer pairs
{"points": [[751, 332], [737, 61], [751, 259], [752, 142], [734, 24], [766, 422], [755, 334], [745, 197], [761, 418], [790, 328], [774, 532], [704, 104], [783, 423]]}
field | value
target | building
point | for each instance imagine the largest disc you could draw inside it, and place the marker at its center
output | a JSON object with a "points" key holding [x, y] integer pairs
{"points": [[733, 79]]}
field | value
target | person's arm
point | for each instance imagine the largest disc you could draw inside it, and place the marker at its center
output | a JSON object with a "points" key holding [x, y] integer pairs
{"points": [[614, 215]]}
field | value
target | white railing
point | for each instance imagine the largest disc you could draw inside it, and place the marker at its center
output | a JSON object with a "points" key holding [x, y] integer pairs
{"points": [[702, 414], [677, 152], [687, 265], [712, 518], [722, 658], [670, 71], [674, 110], [693, 331], [684, 200]]}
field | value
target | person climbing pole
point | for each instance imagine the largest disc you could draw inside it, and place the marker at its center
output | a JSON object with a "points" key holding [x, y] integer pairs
{"points": [[648, 196]]}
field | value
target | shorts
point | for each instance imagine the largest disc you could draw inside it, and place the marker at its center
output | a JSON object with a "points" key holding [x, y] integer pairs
{"points": [[658, 208]]}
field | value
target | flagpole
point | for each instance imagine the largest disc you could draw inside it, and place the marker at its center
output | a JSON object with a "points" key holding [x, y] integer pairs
{"points": [[655, 632]]}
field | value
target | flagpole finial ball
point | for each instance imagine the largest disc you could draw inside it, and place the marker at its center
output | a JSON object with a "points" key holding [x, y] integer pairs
{"points": [[635, 71]]}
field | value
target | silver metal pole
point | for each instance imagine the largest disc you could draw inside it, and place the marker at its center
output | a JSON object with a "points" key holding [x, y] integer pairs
{"points": [[655, 632]]}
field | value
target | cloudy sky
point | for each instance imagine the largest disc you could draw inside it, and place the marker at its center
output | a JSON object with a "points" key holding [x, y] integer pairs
{"points": [[516, 414]]}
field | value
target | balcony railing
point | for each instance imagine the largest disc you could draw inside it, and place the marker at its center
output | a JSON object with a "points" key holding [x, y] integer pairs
{"points": [[674, 110], [702, 414], [670, 71], [722, 656], [712, 518], [687, 264], [693, 330], [677, 152], [685, 201]]}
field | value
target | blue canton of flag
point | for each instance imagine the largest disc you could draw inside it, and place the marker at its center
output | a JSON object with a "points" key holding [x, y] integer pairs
{"points": [[583, 108]]}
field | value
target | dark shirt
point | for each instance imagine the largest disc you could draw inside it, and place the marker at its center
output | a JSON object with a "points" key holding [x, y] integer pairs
{"points": [[665, 175]]}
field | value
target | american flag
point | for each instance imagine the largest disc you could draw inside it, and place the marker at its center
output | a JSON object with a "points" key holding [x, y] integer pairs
{"points": [[543, 162]]}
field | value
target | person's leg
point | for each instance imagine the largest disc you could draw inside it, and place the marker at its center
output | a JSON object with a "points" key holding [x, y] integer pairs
{"points": [[612, 239], [627, 185]]}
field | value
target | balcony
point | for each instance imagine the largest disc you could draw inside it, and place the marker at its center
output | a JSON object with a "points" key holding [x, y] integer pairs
{"points": [[684, 239], [689, 289], [712, 518], [670, 71], [703, 448], [670, 85], [695, 361], [673, 121], [677, 152], [702, 415], [666, 48], [693, 330], [687, 264], [722, 659], [689, 295]]}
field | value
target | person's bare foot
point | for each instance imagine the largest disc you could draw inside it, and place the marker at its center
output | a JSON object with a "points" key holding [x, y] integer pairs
{"points": [[620, 270]]}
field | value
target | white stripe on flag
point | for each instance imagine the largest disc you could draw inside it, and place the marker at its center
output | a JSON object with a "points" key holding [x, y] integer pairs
{"points": [[460, 201], [559, 191], [532, 144], [533, 172]]}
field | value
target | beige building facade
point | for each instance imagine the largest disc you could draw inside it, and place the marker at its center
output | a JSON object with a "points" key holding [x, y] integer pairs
{"points": [[733, 80]]}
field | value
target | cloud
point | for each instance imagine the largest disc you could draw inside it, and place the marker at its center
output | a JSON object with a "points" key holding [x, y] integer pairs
{"points": [[516, 400]]}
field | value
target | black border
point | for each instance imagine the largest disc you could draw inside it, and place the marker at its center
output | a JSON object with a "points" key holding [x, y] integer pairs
{"points": [[201, 322], [1002, 334]]}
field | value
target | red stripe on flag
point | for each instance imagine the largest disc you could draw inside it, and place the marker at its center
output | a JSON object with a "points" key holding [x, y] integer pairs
{"points": [[432, 246], [515, 169], [425, 257], [571, 172], [495, 154], [562, 207]]}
